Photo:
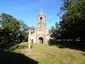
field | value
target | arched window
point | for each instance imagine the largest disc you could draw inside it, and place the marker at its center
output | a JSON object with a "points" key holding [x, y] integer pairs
{"points": [[40, 18]]}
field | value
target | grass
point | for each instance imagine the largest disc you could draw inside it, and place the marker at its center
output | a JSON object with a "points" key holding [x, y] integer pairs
{"points": [[45, 54]]}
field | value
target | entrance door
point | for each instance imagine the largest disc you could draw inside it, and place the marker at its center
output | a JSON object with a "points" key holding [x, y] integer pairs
{"points": [[41, 40]]}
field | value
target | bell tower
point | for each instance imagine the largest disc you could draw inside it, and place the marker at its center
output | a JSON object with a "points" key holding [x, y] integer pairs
{"points": [[41, 21], [41, 27]]}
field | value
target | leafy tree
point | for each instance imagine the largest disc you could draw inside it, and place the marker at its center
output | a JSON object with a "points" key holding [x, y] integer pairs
{"points": [[73, 19], [55, 31], [9, 29], [23, 30]]}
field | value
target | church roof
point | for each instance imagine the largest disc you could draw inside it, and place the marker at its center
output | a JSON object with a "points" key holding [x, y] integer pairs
{"points": [[41, 13]]}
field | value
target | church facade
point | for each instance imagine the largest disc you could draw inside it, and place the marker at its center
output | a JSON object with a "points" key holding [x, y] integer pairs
{"points": [[41, 33]]}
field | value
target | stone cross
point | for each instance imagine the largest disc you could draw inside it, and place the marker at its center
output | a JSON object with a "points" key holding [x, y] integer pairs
{"points": [[29, 37]]}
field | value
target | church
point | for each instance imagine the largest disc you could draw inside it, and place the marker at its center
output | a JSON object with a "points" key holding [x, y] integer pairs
{"points": [[41, 34]]}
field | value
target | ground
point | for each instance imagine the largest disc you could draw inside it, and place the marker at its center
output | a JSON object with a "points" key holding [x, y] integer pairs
{"points": [[45, 54]]}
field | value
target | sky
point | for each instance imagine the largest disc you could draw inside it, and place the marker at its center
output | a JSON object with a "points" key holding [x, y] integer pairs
{"points": [[27, 10]]}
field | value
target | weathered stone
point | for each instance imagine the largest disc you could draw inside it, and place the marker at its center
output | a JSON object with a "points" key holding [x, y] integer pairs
{"points": [[41, 33]]}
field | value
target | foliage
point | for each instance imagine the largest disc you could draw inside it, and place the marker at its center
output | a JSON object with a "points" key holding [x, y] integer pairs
{"points": [[67, 4], [73, 20], [24, 30], [56, 31], [10, 29], [72, 24]]}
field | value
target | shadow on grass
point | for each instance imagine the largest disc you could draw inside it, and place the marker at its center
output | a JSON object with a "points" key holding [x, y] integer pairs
{"points": [[73, 45], [7, 57], [69, 44], [83, 54]]}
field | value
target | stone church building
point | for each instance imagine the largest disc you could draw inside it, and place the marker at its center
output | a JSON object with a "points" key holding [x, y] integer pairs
{"points": [[41, 33]]}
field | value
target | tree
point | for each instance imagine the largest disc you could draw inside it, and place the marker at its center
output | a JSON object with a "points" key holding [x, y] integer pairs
{"points": [[10, 28], [73, 20], [23, 30]]}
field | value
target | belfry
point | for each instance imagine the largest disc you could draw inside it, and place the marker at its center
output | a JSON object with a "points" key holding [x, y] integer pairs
{"points": [[41, 33]]}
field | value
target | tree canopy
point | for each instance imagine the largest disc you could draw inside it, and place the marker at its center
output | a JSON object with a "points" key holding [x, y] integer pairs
{"points": [[73, 21], [72, 24], [12, 30]]}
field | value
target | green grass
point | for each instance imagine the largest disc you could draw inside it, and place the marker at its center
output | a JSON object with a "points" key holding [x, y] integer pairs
{"points": [[45, 54]]}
